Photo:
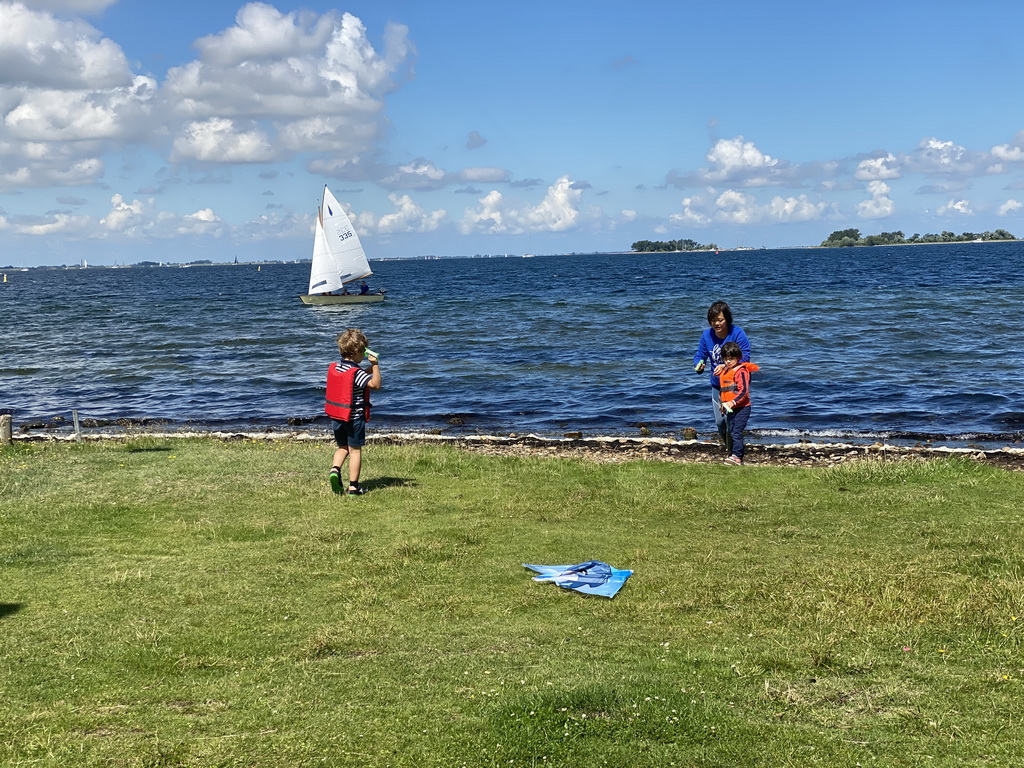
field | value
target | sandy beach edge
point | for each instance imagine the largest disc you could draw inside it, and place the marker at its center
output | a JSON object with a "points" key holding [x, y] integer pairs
{"points": [[600, 449]]}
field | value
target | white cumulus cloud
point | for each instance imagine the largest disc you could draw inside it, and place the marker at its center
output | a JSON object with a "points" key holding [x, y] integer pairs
{"points": [[409, 217], [202, 222], [735, 207], [884, 167], [880, 206], [1010, 207], [734, 161], [557, 212], [298, 81], [956, 208], [1013, 152], [124, 217], [67, 95], [39, 50], [222, 140]]}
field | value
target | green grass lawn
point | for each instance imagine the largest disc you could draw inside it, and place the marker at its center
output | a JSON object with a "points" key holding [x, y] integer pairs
{"points": [[202, 603]]}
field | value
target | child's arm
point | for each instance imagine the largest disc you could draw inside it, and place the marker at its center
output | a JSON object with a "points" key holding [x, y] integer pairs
{"points": [[374, 382], [742, 382]]}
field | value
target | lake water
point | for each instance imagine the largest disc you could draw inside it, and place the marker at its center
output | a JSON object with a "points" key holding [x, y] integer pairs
{"points": [[905, 343]]}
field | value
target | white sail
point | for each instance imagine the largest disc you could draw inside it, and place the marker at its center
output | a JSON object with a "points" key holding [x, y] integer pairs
{"points": [[338, 256], [323, 276]]}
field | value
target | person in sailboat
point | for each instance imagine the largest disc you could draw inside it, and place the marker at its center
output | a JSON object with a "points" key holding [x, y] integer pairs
{"points": [[363, 288], [348, 405]]}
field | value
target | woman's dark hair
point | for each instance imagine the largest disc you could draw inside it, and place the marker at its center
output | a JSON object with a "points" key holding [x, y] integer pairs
{"points": [[720, 308]]}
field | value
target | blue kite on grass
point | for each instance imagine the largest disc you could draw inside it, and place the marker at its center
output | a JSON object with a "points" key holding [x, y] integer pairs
{"points": [[590, 578]]}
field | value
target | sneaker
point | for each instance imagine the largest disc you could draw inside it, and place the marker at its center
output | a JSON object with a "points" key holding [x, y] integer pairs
{"points": [[335, 478], [735, 461], [355, 489]]}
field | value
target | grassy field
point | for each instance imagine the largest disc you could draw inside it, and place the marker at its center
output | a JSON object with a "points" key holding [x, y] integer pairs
{"points": [[201, 603]]}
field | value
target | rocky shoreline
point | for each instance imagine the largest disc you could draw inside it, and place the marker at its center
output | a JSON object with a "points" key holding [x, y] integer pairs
{"points": [[607, 449]]}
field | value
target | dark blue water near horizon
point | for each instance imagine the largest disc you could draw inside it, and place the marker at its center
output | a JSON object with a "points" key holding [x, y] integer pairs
{"points": [[902, 343]]}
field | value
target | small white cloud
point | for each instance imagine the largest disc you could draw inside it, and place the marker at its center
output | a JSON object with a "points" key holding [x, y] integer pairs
{"points": [[737, 162], [202, 222], [734, 207], [955, 208], [1010, 207], [475, 140], [884, 167], [692, 212], [795, 209], [418, 175], [880, 206], [123, 216], [1013, 152], [732, 161], [409, 217]]}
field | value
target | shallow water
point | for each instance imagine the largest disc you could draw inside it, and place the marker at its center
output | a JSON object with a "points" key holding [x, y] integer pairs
{"points": [[911, 343]]}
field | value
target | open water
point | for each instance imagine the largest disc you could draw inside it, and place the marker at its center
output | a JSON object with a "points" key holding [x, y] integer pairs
{"points": [[902, 343]]}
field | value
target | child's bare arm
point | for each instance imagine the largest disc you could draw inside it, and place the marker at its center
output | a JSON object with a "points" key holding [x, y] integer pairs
{"points": [[375, 381]]}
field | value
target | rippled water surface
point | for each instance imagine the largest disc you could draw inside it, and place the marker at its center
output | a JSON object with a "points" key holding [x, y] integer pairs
{"points": [[914, 342]]}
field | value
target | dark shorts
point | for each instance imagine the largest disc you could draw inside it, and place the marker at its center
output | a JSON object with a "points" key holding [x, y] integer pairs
{"points": [[351, 434]]}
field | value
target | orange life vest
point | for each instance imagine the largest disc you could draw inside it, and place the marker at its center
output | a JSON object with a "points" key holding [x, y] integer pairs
{"points": [[728, 382], [341, 390]]}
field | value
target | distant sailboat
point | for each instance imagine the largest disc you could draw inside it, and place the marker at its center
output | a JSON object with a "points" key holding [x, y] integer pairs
{"points": [[338, 258]]}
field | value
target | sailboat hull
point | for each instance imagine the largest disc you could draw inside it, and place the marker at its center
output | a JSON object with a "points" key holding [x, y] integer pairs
{"points": [[319, 299]]}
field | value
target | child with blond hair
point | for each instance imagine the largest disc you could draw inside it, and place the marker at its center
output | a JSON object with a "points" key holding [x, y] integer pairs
{"points": [[348, 405]]}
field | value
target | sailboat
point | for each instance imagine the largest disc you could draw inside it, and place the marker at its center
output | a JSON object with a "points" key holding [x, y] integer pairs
{"points": [[338, 258]]}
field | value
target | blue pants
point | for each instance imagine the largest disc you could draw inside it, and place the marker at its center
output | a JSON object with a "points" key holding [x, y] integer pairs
{"points": [[720, 425], [736, 422]]}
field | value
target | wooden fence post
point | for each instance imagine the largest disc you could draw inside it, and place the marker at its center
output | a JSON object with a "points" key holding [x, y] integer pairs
{"points": [[5, 429]]}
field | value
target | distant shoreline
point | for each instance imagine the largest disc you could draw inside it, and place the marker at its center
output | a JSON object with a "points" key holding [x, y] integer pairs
{"points": [[281, 262]]}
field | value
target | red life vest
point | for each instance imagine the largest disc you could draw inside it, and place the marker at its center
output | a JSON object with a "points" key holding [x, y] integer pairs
{"points": [[728, 382], [341, 390]]}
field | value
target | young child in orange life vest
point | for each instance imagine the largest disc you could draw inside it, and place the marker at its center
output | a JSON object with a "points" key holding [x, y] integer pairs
{"points": [[348, 405], [735, 383]]}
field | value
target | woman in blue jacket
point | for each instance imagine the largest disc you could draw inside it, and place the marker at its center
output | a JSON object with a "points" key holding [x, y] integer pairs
{"points": [[709, 350]]}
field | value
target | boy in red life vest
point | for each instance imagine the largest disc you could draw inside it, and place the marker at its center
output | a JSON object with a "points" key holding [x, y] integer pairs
{"points": [[348, 405], [735, 383]]}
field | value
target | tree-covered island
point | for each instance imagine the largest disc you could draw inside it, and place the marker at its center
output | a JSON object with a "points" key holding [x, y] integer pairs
{"points": [[651, 246], [842, 238]]}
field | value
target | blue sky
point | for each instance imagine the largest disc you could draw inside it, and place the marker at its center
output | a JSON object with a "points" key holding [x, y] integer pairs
{"points": [[205, 130]]}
